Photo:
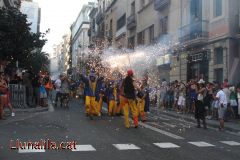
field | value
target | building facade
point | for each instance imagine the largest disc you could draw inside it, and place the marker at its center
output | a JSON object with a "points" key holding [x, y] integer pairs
{"points": [[80, 39], [202, 35], [33, 12], [208, 47]]}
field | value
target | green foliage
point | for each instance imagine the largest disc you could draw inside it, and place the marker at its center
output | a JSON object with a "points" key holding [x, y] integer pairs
{"points": [[18, 43]]}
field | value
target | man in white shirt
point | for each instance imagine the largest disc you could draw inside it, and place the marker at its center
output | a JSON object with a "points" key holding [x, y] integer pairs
{"points": [[222, 106], [58, 84]]}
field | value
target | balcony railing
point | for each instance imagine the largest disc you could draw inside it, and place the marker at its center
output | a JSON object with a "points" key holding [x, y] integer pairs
{"points": [[100, 17], [131, 21], [160, 4], [100, 34], [194, 33]]}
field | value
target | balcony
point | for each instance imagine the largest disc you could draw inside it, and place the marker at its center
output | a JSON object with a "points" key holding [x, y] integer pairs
{"points": [[99, 18], [161, 4], [110, 34], [131, 22], [194, 33], [100, 34]]}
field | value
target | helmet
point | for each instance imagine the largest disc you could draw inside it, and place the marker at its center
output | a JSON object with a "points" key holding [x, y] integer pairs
{"points": [[130, 72]]}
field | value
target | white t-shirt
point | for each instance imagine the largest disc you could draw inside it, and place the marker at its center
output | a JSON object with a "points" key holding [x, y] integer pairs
{"points": [[227, 93], [222, 97], [58, 84]]}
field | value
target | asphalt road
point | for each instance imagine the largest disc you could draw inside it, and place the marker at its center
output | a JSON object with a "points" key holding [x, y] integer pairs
{"points": [[161, 138]]}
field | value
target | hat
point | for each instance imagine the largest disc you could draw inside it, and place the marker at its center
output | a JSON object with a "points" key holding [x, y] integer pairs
{"points": [[130, 72], [201, 81], [231, 89]]}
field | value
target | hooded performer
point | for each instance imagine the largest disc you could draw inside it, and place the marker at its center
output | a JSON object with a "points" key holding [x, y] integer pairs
{"points": [[129, 87], [90, 93], [112, 98]]}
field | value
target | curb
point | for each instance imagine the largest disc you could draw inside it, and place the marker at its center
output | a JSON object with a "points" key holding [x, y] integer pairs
{"points": [[192, 119], [29, 110]]}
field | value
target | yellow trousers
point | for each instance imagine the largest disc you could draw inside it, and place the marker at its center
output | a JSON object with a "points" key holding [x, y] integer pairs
{"points": [[111, 107], [121, 104], [130, 103], [99, 105], [90, 105], [140, 106]]}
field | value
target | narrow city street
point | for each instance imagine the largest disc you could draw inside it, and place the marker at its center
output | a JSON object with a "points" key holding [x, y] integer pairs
{"points": [[105, 137]]}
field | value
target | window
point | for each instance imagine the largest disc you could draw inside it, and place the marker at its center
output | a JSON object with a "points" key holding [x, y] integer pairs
{"points": [[140, 38], [111, 25], [217, 8], [93, 24], [151, 34], [196, 9], [142, 3], [219, 75], [110, 29], [133, 8], [131, 42], [218, 55], [121, 22], [164, 25]]}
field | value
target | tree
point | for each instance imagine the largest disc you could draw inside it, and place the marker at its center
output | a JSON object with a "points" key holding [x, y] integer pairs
{"points": [[17, 43]]}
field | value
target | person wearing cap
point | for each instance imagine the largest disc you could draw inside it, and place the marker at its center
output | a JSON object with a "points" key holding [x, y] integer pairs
{"points": [[129, 87], [90, 94], [200, 108]]}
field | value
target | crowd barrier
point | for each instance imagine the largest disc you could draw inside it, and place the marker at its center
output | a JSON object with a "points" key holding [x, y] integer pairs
{"points": [[18, 95]]}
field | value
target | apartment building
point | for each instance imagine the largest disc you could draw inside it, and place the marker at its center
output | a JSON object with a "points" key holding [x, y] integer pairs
{"points": [[80, 39], [203, 35], [33, 12], [208, 47], [100, 24], [66, 52]]}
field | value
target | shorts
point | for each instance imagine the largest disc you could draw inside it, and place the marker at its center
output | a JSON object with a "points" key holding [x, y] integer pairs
{"points": [[221, 111], [181, 101]]}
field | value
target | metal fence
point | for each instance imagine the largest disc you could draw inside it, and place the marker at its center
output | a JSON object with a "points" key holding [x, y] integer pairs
{"points": [[18, 95]]}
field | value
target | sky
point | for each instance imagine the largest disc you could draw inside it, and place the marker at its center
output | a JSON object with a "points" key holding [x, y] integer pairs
{"points": [[58, 15]]}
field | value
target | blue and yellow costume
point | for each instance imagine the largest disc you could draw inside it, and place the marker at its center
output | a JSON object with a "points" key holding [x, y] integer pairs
{"points": [[112, 98], [90, 93]]}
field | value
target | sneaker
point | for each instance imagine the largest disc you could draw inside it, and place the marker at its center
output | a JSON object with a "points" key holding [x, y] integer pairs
{"points": [[13, 114]]}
